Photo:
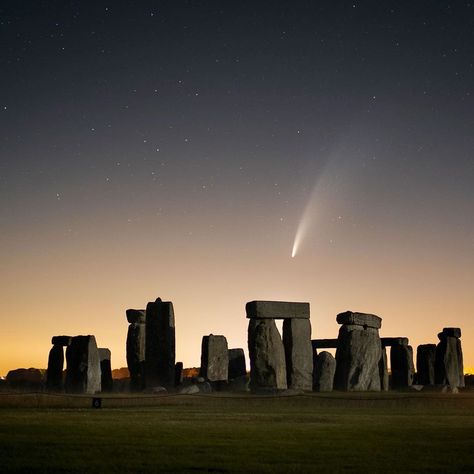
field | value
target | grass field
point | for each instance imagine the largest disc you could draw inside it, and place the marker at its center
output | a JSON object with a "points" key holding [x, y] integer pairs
{"points": [[314, 433]]}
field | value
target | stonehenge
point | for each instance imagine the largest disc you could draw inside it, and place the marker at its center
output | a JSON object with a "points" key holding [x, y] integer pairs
{"points": [[54, 373]]}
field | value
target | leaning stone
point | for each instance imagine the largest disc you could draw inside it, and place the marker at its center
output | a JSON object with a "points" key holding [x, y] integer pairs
{"points": [[392, 341], [267, 356], [214, 358], [61, 340], [136, 316], [83, 366], [425, 364], [106, 381], [298, 354], [276, 310], [136, 355], [401, 363], [54, 374], [160, 344], [357, 359], [452, 332], [359, 319], [324, 370], [237, 367], [383, 370]]}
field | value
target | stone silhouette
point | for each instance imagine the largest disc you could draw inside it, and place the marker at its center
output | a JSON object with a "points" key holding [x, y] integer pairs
{"points": [[136, 339], [106, 381], [214, 358], [83, 366], [425, 364], [237, 366], [324, 370], [383, 370], [449, 367], [401, 363], [359, 351], [54, 374]]}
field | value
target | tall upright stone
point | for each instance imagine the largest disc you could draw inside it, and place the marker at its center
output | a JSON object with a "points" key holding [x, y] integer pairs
{"points": [[214, 358], [449, 366], [83, 366], [237, 366], [383, 370], [425, 364], [54, 374], [160, 344], [324, 370], [401, 364], [106, 381], [136, 340], [359, 352], [298, 353], [267, 356]]}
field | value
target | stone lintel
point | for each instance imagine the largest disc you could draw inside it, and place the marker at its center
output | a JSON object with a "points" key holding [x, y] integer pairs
{"points": [[359, 319], [394, 341], [276, 310], [61, 340], [136, 316], [452, 332], [324, 343]]}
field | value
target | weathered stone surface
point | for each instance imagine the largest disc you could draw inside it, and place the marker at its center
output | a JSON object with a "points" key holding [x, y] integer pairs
{"points": [[106, 381], [189, 390], [298, 354], [383, 370], [136, 316], [267, 356], [61, 340], [178, 373], [136, 338], [54, 374], [324, 344], [359, 319], [392, 341], [449, 369], [237, 366], [357, 359], [214, 358], [324, 370], [277, 310], [160, 344], [401, 364], [25, 379], [452, 332], [425, 364], [83, 366]]}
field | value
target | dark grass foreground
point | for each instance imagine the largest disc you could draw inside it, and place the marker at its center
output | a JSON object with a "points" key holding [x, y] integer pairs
{"points": [[337, 433]]}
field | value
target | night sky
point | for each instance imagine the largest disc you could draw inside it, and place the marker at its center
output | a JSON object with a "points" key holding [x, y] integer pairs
{"points": [[186, 150]]}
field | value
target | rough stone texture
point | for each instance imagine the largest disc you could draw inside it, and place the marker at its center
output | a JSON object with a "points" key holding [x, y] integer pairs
{"points": [[324, 343], [298, 354], [160, 344], [277, 310], [449, 369], [214, 358], [136, 355], [178, 373], [237, 366], [452, 332], [425, 364], [383, 370], [324, 370], [106, 381], [25, 379], [358, 355], [267, 356], [359, 319], [83, 366], [392, 341], [136, 316], [401, 364], [61, 340], [189, 390], [54, 374]]}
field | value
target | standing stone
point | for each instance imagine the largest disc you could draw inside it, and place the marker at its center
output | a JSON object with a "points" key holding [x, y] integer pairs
{"points": [[449, 367], [267, 356], [237, 366], [425, 364], [106, 381], [214, 358], [160, 344], [178, 373], [359, 351], [298, 353], [54, 374], [136, 339], [383, 370], [83, 366], [324, 370], [401, 364]]}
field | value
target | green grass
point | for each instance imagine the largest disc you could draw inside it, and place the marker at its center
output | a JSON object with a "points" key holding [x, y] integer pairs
{"points": [[338, 433]]}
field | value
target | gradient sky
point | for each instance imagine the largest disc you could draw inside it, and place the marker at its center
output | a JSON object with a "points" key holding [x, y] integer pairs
{"points": [[177, 149]]}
